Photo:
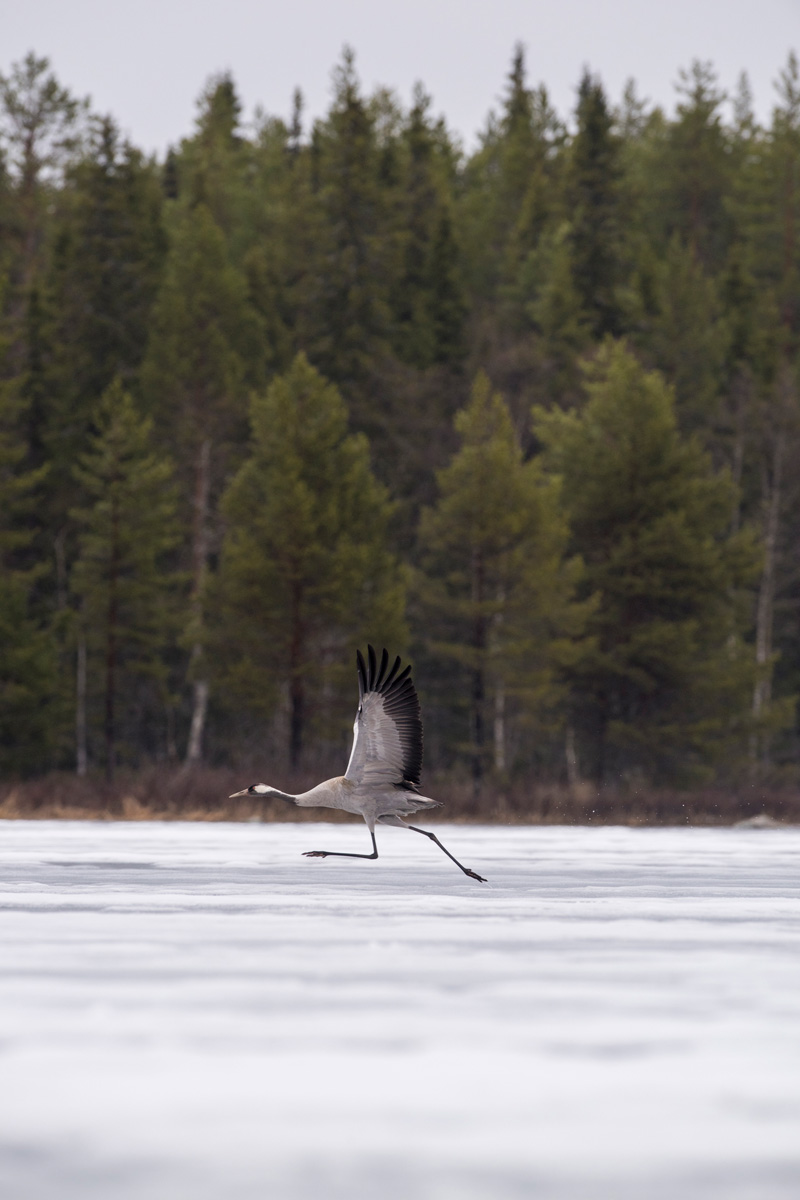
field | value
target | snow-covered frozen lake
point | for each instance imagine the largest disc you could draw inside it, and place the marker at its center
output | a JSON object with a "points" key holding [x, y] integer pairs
{"points": [[195, 1012]]}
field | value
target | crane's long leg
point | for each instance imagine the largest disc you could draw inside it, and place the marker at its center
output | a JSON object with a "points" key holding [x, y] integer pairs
{"points": [[433, 837], [342, 854]]}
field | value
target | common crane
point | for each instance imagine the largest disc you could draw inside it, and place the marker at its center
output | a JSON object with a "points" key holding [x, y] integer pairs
{"points": [[381, 782]]}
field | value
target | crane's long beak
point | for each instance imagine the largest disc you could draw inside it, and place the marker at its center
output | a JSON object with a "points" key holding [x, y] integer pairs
{"points": [[235, 794]]}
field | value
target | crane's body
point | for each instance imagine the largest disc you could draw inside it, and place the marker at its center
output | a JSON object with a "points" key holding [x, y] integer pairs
{"points": [[381, 783]]}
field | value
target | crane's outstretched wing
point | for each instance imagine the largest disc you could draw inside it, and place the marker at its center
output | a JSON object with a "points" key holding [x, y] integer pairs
{"points": [[387, 742]]}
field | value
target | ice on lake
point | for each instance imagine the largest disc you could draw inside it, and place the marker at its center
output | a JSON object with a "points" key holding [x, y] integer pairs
{"points": [[195, 1012]]}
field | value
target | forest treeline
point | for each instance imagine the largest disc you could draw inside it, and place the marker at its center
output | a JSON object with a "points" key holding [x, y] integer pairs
{"points": [[529, 414]]}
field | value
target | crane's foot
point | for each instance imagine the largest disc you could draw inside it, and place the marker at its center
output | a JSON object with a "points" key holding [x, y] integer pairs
{"points": [[474, 875], [336, 854]]}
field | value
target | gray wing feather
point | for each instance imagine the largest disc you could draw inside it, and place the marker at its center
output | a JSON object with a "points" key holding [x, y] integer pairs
{"points": [[387, 742]]}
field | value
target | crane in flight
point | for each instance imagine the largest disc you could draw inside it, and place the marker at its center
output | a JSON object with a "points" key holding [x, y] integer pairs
{"points": [[381, 783]]}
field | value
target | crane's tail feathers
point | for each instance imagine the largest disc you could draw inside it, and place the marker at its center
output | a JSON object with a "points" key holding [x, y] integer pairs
{"points": [[415, 804]]}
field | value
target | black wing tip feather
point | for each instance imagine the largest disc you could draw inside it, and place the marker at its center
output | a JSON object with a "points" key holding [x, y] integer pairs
{"points": [[362, 673], [373, 678]]}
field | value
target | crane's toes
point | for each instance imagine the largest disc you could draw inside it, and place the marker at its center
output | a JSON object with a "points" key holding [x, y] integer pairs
{"points": [[316, 853], [474, 875]]}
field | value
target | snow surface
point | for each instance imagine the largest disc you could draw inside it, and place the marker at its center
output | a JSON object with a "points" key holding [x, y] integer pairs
{"points": [[195, 1012]]}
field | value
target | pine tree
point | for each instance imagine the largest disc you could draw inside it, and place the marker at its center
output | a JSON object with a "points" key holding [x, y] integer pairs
{"points": [[305, 571], [497, 591], [665, 689], [128, 530]]}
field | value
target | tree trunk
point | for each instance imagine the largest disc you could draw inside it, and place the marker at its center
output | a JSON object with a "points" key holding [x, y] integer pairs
{"points": [[789, 299], [297, 696], [194, 749], [172, 748], [571, 756], [62, 586], [81, 755], [742, 398], [500, 726], [111, 647], [499, 729], [762, 694], [478, 689]]}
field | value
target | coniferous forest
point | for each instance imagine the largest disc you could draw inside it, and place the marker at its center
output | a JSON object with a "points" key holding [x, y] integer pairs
{"points": [[528, 414]]}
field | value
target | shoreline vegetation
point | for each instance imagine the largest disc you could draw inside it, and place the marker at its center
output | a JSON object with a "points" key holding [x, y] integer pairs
{"points": [[202, 795]]}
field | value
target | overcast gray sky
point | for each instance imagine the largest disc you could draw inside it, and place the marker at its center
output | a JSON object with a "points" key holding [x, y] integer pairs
{"points": [[145, 61]]}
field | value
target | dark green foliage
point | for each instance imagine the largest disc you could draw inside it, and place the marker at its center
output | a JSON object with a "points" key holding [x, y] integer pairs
{"points": [[211, 163], [685, 337], [193, 377], [106, 264], [429, 304], [353, 275], [697, 167], [124, 591], [497, 592], [352, 316], [31, 703], [31, 714], [446, 306], [664, 688], [595, 211]]}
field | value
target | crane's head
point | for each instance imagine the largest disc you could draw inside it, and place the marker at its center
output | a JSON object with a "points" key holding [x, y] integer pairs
{"points": [[264, 792], [255, 789]]}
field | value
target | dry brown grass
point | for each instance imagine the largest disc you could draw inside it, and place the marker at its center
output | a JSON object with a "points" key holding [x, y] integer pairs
{"points": [[202, 795]]}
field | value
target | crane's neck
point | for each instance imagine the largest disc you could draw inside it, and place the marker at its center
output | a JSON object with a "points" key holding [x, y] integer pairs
{"points": [[271, 793]]}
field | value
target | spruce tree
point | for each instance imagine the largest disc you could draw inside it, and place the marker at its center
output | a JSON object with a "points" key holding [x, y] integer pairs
{"points": [[30, 711], [125, 597], [510, 183], [305, 574], [92, 322], [595, 211], [558, 318], [428, 303], [352, 314], [446, 304], [694, 173], [685, 336], [213, 165]]}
